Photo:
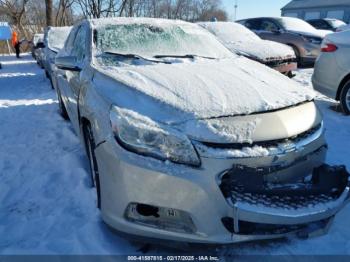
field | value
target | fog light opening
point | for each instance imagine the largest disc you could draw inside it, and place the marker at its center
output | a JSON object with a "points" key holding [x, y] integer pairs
{"points": [[160, 217], [147, 210]]}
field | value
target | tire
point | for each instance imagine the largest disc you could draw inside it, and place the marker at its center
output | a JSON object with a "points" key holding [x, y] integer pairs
{"points": [[345, 98], [90, 151], [62, 107], [297, 54]]}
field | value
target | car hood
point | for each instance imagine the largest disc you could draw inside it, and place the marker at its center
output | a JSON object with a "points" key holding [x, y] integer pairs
{"points": [[262, 51], [316, 33], [199, 89]]}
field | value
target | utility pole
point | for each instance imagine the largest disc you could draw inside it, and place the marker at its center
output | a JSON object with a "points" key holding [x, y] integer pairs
{"points": [[236, 7]]}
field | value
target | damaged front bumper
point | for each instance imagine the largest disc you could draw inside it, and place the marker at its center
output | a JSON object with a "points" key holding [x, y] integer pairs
{"points": [[260, 207]]}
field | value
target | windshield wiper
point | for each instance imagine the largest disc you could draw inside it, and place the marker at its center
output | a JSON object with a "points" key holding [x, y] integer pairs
{"points": [[190, 56], [134, 56]]}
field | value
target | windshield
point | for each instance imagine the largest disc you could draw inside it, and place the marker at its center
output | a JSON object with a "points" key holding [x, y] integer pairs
{"points": [[147, 40], [295, 24], [57, 36], [336, 23]]}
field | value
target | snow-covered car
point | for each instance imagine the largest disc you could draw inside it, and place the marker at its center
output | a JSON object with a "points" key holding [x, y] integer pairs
{"points": [[326, 24], [240, 40], [189, 142], [301, 36], [332, 69], [54, 39], [37, 43], [343, 28]]}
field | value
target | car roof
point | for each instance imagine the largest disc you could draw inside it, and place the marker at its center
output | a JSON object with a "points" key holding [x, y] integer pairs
{"points": [[134, 20]]}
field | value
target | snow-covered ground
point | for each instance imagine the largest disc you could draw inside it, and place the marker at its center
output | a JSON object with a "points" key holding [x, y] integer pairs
{"points": [[46, 204]]}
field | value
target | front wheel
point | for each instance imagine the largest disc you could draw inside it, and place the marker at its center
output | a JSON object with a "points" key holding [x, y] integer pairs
{"points": [[90, 150], [62, 107], [345, 98]]}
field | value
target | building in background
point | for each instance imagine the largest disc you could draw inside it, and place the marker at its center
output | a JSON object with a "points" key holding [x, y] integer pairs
{"points": [[314, 9]]}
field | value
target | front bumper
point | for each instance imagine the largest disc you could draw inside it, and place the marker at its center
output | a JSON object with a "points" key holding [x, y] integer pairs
{"points": [[283, 66], [128, 178], [261, 203]]}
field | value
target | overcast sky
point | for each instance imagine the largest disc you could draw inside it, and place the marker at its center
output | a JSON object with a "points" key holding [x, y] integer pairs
{"points": [[254, 8]]}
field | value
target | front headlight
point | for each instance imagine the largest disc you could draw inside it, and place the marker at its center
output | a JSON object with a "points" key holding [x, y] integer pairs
{"points": [[142, 135]]}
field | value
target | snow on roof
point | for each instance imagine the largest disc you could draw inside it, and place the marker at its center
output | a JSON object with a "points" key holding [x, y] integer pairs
{"points": [[56, 37], [295, 4], [237, 38]]}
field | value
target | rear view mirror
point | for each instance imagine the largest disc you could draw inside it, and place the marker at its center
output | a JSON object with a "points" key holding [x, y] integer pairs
{"points": [[40, 45], [67, 63]]}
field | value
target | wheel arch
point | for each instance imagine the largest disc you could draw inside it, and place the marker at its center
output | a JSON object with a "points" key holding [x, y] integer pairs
{"points": [[341, 85]]}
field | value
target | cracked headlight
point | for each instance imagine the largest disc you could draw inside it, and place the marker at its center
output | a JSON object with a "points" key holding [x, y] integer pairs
{"points": [[144, 136]]}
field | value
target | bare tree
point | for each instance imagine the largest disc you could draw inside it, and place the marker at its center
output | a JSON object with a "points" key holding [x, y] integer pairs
{"points": [[49, 16], [14, 10]]}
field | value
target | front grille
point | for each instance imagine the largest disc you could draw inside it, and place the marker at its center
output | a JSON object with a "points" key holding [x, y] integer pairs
{"points": [[266, 144], [276, 63]]}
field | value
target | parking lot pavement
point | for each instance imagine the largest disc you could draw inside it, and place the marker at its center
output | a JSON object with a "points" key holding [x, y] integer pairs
{"points": [[47, 206]]}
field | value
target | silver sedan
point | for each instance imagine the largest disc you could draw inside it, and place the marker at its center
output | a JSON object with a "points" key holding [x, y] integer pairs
{"points": [[332, 69], [189, 142]]}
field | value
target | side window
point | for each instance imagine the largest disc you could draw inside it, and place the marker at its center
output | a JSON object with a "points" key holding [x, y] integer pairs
{"points": [[269, 26], [68, 46], [324, 25], [253, 24], [79, 45]]}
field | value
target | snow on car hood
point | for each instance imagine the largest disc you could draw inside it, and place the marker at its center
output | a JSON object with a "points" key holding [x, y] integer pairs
{"points": [[263, 50], [199, 89], [315, 33], [239, 39]]}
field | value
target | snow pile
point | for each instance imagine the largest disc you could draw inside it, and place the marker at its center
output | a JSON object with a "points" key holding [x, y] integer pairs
{"points": [[56, 37], [239, 39]]}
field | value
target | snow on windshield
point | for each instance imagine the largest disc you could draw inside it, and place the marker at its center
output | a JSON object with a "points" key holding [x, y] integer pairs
{"points": [[57, 36], [150, 39], [296, 24]]}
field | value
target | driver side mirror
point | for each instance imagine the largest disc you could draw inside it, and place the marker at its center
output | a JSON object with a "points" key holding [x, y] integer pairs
{"points": [[67, 63]]}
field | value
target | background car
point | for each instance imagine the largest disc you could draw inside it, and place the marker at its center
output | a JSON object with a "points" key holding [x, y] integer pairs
{"points": [[332, 69], [173, 122], [242, 41], [343, 28], [37, 43], [301, 36], [54, 39], [326, 24]]}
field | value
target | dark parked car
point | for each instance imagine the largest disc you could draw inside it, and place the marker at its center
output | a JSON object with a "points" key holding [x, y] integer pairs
{"points": [[301, 36], [326, 24]]}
